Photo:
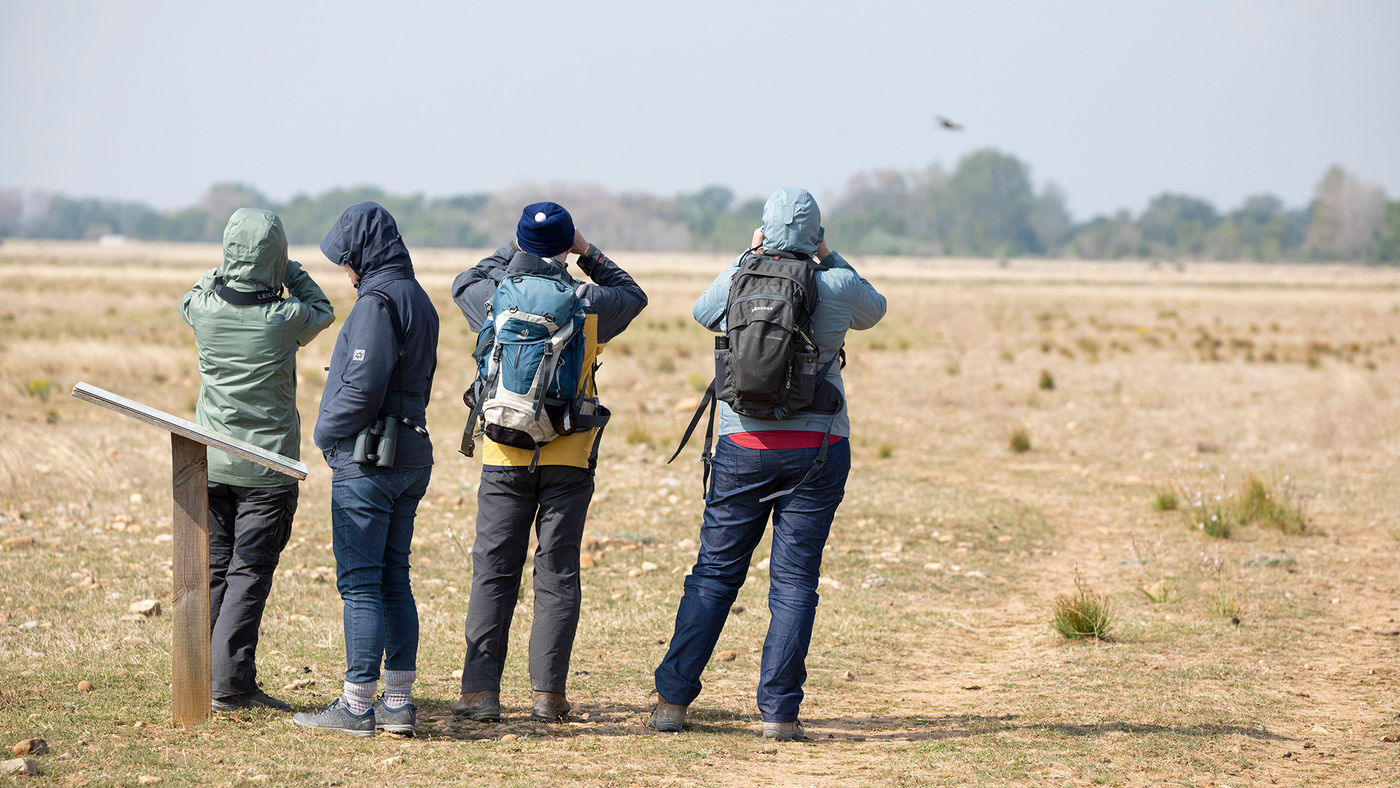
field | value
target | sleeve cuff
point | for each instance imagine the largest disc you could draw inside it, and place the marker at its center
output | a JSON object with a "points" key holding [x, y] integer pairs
{"points": [[591, 257]]}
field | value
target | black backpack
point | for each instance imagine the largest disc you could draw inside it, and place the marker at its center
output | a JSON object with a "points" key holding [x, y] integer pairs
{"points": [[766, 362]]}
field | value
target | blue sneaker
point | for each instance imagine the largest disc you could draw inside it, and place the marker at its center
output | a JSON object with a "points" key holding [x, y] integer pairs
{"points": [[401, 720], [337, 717]]}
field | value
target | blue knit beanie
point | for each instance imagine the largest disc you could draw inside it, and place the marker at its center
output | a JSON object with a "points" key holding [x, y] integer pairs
{"points": [[545, 229]]}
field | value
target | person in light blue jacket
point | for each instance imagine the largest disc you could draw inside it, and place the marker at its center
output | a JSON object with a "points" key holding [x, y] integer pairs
{"points": [[754, 459]]}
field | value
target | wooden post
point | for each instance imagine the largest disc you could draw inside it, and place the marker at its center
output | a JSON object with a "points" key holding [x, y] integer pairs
{"points": [[189, 651]]}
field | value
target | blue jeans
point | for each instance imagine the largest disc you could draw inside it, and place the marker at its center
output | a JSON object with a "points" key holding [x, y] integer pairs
{"points": [[371, 531], [733, 525]]}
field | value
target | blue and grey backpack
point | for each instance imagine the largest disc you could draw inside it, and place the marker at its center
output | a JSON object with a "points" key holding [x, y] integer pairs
{"points": [[530, 367]]}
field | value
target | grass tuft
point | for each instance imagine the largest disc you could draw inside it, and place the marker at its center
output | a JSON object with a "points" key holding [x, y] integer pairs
{"points": [[1047, 381], [1222, 603], [1158, 592], [1020, 441], [1216, 519], [1272, 508], [1155, 587], [1255, 503], [1165, 501], [1083, 614], [39, 388]]}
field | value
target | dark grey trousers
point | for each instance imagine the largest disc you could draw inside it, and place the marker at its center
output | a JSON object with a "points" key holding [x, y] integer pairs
{"points": [[248, 527], [554, 499]]}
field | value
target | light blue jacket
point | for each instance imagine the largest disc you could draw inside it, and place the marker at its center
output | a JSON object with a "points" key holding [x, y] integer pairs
{"points": [[792, 222]]}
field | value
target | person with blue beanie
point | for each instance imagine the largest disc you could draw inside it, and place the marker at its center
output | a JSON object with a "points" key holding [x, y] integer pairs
{"points": [[548, 488]]}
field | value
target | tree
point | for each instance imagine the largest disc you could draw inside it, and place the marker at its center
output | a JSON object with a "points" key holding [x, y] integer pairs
{"points": [[1385, 246], [876, 213], [221, 200], [1260, 226], [1050, 220], [702, 209], [11, 212], [1347, 213], [1177, 223], [1104, 238], [988, 206]]}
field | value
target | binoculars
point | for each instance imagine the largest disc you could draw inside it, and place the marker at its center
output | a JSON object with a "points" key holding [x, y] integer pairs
{"points": [[377, 443]]}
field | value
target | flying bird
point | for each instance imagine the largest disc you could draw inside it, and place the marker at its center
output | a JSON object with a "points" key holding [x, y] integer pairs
{"points": [[948, 125]]}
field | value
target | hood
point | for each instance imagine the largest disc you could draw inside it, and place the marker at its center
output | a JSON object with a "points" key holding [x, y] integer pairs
{"points": [[792, 221], [255, 250], [367, 239]]}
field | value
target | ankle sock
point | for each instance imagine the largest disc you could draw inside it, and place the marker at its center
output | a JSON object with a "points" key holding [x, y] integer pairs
{"points": [[398, 687], [359, 698]]}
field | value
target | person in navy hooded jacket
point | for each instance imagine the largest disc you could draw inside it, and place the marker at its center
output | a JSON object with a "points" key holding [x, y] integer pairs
{"points": [[379, 380]]}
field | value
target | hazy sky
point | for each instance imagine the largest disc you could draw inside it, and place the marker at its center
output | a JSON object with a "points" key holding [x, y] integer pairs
{"points": [[1114, 101]]}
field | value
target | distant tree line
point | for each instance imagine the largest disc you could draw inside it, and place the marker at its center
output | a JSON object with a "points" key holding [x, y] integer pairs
{"points": [[986, 206]]}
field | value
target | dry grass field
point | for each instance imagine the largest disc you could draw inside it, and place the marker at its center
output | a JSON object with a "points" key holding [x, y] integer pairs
{"points": [[1135, 391]]}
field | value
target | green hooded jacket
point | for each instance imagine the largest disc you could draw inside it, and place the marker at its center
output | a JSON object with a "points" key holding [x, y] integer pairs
{"points": [[247, 337]]}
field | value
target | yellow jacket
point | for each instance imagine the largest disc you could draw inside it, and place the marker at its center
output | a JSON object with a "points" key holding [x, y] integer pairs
{"points": [[569, 450]]}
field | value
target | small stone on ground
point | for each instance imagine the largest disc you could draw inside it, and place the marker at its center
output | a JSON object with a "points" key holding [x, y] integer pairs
{"points": [[24, 766], [31, 747]]}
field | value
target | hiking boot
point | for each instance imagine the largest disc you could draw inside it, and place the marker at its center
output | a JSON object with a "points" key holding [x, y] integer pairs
{"points": [[550, 707], [784, 731], [337, 717], [484, 706], [401, 720], [668, 717], [248, 700]]}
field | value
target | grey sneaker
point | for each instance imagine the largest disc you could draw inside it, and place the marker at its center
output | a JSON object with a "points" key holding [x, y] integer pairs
{"points": [[248, 700], [401, 720], [784, 731], [337, 717], [484, 706], [668, 717]]}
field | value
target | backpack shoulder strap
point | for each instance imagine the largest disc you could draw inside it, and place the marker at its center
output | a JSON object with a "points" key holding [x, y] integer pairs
{"points": [[383, 298], [397, 326]]}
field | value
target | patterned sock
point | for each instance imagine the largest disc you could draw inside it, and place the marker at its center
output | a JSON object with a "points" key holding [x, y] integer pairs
{"points": [[359, 697], [398, 686]]}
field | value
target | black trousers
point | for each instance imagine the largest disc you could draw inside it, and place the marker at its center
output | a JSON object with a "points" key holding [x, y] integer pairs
{"points": [[248, 527], [554, 499]]}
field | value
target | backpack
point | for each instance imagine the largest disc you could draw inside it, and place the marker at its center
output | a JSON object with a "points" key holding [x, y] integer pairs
{"points": [[530, 368], [766, 362]]}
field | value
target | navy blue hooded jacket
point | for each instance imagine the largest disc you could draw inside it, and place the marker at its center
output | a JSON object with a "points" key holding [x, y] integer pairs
{"points": [[367, 379]]}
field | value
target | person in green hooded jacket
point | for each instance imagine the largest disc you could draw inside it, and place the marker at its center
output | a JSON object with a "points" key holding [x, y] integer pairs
{"points": [[249, 316]]}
